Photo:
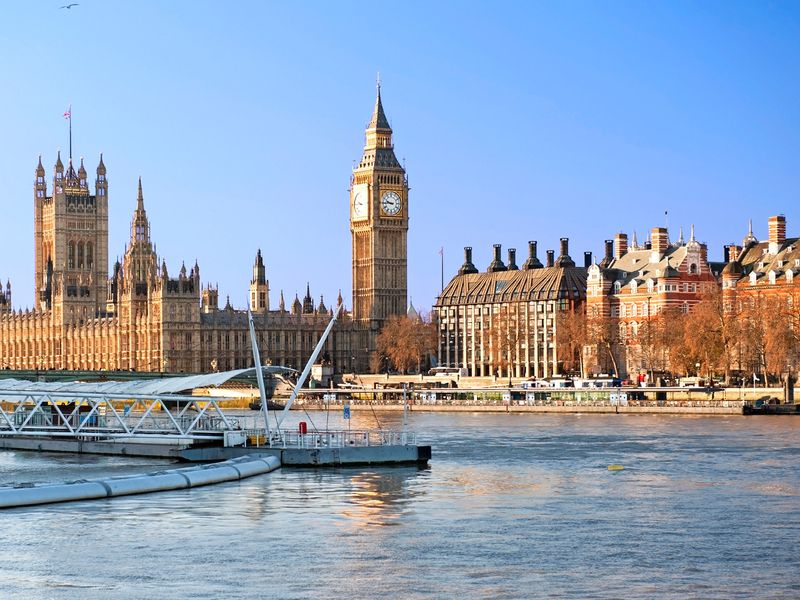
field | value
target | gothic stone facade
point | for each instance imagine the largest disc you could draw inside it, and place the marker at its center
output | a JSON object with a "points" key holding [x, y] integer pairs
{"points": [[379, 216], [143, 319]]}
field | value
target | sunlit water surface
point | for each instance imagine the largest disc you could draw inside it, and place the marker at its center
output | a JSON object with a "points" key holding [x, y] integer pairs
{"points": [[512, 506]]}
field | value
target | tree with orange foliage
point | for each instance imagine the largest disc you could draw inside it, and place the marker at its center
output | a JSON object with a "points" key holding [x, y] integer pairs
{"points": [[712, 331], [602, 335], [405, 343], [571, 339]]}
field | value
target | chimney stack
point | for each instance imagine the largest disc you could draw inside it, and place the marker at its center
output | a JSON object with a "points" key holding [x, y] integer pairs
{"points": [[550, 258], [587, 259], [733, 252], [533, 261], [660, 239], [726, 253], [609, 254], [777, 233], [468, 266], [620, 245], [512, 259], [564, 259], [497, 263]]}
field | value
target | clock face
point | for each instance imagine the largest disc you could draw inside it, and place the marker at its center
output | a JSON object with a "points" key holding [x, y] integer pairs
{"points": [[360, 204], [391, 203]]}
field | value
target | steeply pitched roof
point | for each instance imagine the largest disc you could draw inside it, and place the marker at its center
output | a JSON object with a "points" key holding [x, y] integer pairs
{"points": [[379, 120], [515, 286]]}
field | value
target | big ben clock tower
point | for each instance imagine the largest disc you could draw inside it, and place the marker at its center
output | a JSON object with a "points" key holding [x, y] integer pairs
{"points": [[379, 228]]}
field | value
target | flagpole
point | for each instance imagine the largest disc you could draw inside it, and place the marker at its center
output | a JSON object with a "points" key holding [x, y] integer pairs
{"points": [[441, 253], [70, 131]]}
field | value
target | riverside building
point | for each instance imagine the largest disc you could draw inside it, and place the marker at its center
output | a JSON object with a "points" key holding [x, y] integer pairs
{"points": [[633, 285], [504, 321]]}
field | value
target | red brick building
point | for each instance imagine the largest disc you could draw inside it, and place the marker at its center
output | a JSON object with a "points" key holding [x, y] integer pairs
{"points": [[632, 285]]}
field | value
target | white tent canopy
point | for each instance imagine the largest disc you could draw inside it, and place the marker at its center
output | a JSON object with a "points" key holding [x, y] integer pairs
{"points": [[169, 385]]}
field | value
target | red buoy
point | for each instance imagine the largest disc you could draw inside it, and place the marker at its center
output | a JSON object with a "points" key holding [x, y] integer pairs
{"points": [[302, 427]]}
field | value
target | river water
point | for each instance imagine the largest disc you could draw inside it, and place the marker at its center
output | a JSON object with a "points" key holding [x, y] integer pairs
{"points": [[511, 506]]}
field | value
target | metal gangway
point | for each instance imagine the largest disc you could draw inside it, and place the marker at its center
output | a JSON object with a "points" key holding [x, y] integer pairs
{"points": [[118, 409]]}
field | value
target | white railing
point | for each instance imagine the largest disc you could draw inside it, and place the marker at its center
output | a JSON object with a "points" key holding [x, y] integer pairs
{"points": [[329, 439], [59, 414]]}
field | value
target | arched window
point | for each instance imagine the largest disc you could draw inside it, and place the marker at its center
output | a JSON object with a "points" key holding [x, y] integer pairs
{"points": [[80, 255], [89, 255], [617, 287], [71, 255], [693, 269]]}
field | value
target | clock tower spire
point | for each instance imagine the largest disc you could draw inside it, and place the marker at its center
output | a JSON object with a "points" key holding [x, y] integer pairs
{"points": [[379, 226]]}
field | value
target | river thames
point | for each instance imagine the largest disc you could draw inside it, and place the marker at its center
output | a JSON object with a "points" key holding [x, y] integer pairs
{"points": [[511, 506]]}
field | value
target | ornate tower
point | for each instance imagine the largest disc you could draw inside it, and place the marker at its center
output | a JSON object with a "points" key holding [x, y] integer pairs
{"points": [[379, 227], [71, 241], [259, 287], [139, 264]]}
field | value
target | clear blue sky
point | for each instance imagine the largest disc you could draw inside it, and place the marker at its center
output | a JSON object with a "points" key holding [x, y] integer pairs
{"points": [[518, 121]]}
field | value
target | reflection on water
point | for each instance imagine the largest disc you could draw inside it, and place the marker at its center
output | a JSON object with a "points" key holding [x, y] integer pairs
{"points": [[512, 506], [381, 497]]}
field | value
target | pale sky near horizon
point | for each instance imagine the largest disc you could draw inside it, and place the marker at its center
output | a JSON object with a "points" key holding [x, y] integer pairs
{"points": [[517, 120]]}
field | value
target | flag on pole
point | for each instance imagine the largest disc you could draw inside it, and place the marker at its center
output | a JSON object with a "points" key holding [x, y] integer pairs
{"points": [[441, 251], [68, 112]]}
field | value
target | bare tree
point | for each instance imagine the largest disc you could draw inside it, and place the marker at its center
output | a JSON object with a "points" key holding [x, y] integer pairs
{"points": [[602, 334], [503, 340], [571, 338], [712, 330], [779, 339], [406, 342]]}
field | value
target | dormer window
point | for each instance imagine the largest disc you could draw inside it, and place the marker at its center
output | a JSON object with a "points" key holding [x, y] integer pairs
{"points": [[753, 278], [789, 276], [771, 276], [617, 287], [634, 287]]}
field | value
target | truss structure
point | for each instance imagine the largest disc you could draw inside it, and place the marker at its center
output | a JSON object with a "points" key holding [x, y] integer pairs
{"points": [[97, 415]]}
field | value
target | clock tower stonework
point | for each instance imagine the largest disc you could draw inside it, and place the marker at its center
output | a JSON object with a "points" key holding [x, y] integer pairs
{"points": [[379, 228]]}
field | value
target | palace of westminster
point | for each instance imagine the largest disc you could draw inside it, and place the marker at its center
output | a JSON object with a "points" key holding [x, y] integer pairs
{"points": [[144, 319], [502, 321]]}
